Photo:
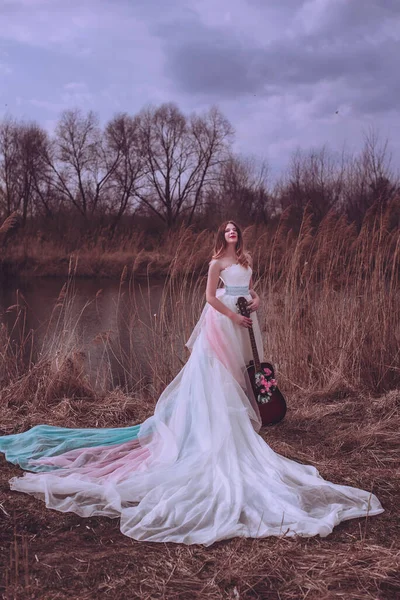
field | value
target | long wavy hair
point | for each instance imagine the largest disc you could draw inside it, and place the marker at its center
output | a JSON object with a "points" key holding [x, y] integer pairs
{"points": [[221, 244]]}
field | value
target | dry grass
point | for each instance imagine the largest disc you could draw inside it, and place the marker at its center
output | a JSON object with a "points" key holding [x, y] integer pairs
{"points": [[331, 321], [10, 224], [351, 440]]}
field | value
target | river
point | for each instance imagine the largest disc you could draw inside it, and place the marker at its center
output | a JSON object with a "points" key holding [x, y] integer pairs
{"points": [[119, 328]]}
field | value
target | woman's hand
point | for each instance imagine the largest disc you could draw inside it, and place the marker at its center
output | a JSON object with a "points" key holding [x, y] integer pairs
{"points": [[242, 321], [253, 304]]}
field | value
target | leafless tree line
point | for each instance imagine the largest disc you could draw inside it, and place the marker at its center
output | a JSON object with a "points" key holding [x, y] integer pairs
{"points": [[159, 160], [347, 183], [177, 168]]}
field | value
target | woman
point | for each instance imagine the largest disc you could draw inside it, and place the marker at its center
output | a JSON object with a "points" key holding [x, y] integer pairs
{"points": [[196, 471]]}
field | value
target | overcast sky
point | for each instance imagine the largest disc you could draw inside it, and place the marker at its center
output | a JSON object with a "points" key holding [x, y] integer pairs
{"points": [[278, 69]]}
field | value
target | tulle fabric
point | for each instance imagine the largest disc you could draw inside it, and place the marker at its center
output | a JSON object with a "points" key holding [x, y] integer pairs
{"points": [[31, 449], [196, 471]]}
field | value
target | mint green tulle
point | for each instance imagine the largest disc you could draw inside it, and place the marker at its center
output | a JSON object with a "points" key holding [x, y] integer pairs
{"points": [[45, 440]]}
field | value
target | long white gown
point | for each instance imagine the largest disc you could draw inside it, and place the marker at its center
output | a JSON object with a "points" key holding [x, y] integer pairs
{"points": [[196, 471]]}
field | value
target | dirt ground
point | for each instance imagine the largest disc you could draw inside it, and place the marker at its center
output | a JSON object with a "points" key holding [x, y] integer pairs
{"points": [[351, 439]]}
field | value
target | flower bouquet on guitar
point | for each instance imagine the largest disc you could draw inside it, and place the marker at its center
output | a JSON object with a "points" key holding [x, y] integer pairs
{"points": [[266, 384], [270, 400]]}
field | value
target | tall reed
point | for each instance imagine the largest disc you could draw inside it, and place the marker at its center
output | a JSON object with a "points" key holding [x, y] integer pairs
{"points": [[330, 317]]}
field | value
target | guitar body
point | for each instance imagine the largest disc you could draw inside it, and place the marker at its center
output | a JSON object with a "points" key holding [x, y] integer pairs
{"points": [[274, 410], [270, 400]]}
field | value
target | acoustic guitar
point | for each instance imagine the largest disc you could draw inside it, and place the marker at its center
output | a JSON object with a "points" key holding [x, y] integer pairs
{"points": [[270, 400]]}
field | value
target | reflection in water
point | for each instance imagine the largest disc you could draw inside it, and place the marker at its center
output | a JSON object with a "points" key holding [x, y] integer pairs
{"points": [[95, 308]]}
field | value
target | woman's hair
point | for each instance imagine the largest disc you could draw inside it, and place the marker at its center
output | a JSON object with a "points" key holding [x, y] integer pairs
{"points": [[221, 244]]}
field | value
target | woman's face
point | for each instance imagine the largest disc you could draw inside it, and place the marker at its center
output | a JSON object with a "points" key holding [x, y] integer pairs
{"points": [[231, 235]]}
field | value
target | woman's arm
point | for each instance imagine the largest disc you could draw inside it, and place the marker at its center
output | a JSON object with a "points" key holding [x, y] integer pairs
{"points": [[211, 289], [255, 302]]}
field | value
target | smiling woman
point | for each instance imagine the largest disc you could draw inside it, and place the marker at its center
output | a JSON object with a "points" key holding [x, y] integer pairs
{"points": [[196, 471]]}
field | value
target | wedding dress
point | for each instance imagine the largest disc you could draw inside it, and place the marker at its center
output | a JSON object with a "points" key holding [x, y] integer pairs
{"points": [[196, 471]]}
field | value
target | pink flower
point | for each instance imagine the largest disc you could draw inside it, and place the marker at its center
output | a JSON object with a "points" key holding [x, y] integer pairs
{"points": [[262, 390], [273, 381], [267, 371]]}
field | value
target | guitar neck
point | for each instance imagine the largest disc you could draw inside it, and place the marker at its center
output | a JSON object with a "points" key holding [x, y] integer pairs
{"points": [[257, 363]]}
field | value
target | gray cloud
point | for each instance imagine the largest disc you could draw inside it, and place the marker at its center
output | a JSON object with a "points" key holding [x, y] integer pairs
{"points": [[357, 17], [279, 69], [293, 6], [348, 46], [213, 63]]}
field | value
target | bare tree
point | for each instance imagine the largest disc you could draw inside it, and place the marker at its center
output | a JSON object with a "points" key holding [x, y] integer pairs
{"points": [[123, 149], [48, 200], [22, 165], [243, 189], [32, 146], [369, 178], [78, 161], [212, 135], [315, 179], [9, 167], [181, 159]]}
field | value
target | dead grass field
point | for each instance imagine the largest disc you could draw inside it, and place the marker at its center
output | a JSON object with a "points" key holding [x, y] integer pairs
{"points": [[352, 440], [331, 321]]}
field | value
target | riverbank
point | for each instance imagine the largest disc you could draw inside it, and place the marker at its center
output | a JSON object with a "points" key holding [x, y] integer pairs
{"points": [[301, 249], [84, 264], [138, 254]]}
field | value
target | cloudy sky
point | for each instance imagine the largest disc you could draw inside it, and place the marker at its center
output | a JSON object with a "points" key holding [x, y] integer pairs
{"points": [[278, 69]]}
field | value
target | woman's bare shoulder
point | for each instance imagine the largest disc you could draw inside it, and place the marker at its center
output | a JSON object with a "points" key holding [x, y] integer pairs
{"points": [[216, 264]]}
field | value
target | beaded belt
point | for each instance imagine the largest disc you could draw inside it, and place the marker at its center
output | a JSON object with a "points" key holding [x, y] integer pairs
{"points": [[236, 290]]}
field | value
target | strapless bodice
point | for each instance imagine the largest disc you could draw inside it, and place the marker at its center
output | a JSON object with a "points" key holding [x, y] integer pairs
{"points": [[236, 275]]}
